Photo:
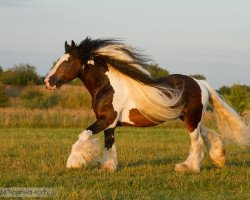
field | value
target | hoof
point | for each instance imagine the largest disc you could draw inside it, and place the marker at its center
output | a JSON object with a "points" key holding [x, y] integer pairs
{"points": [[75, 162], [183, 167], [108, 166], [220, 159], [84, 151]]}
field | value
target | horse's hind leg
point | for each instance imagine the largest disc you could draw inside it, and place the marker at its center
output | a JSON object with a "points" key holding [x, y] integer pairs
{"points": [[214, 146], [109, 160], [196, 154]]}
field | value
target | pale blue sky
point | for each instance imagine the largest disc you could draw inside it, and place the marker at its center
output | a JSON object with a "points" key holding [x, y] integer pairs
{"points": [[185, 36]]}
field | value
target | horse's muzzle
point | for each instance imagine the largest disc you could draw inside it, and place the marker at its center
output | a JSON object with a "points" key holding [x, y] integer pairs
{"points": [[51, 82]]}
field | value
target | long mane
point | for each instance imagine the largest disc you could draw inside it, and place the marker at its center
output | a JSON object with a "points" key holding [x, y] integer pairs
{"points": [[155, 100]]}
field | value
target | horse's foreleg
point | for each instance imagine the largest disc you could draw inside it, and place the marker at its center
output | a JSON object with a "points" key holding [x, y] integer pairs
{"points": [[86, 148], [109, 160]]}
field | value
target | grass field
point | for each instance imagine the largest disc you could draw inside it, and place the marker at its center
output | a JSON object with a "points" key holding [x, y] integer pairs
{"points": [[37, 158]]}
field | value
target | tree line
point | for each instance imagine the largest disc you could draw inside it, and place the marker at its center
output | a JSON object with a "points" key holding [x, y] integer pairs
{"points": [[22, 74], [25, 75]]}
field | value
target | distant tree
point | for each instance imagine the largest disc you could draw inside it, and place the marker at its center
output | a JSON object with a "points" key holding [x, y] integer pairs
{"points": [[198, 76], [240, 97], [40, 80], [8, 77], [156, 71], [224, 90], [21, 74], [1, 70]]}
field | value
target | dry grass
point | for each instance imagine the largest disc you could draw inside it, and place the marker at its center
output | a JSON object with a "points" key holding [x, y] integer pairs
{"points": [[65, 118], [20, 117]]}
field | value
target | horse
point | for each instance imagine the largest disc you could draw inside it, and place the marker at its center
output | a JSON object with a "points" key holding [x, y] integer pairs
{"points": [[124, 94]]}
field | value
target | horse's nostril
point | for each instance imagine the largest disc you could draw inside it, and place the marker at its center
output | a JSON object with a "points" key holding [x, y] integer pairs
{"points": [[53, 80]]}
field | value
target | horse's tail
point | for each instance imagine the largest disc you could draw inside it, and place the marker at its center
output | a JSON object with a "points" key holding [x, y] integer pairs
{"points": [[229, 122]]}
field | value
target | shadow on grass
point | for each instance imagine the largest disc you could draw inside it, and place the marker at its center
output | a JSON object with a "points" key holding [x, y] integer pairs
{"points": [[238, 163], [165, 161], [212, 166]]}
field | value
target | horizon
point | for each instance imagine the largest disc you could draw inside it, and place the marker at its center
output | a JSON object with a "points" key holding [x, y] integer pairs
{"points": [[209, 38]]}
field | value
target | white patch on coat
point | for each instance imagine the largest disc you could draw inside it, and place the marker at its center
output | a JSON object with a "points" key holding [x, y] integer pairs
{"points": [[83, 151], [204, 95], [149, 100], [63, 58], [109, 161], [121, 95], [124, 116], [91, 62]]}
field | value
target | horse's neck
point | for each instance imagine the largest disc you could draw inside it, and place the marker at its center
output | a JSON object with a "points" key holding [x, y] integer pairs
{"points": [[94, 81]]}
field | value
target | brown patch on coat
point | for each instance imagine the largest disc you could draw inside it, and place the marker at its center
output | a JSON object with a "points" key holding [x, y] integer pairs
{"points": [[100, 89], [192, 112], [191, 99], [138, 119]]}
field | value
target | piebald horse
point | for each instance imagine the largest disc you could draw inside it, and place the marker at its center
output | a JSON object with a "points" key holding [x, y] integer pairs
{"points": [[124, 94]]}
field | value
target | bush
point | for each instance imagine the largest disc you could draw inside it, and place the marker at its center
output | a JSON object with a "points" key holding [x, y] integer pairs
{"points": [[198, 76], [34, 97], [73, 97], [4, 99], [70, 97], [21, 74]]}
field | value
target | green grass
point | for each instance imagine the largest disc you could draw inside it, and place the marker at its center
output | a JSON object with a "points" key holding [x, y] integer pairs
{"points": [[37, 158]]}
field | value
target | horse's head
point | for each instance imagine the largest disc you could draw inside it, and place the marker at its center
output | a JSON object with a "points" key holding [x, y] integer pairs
{"points": [[66, 69]]}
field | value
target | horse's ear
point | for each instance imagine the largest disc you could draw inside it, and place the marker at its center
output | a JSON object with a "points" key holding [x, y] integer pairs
{"points": [[67, 47], [73, 48], [73, 44]]}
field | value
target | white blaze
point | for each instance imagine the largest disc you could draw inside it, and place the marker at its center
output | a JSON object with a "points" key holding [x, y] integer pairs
{"points": [[63, 58]]}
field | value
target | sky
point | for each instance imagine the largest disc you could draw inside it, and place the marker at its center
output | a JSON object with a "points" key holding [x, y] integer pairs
{"points": [[187, 37]]}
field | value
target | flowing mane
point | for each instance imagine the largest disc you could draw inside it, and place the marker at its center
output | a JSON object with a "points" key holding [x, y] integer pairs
{"points": [[155, 100], [119, 55]]}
